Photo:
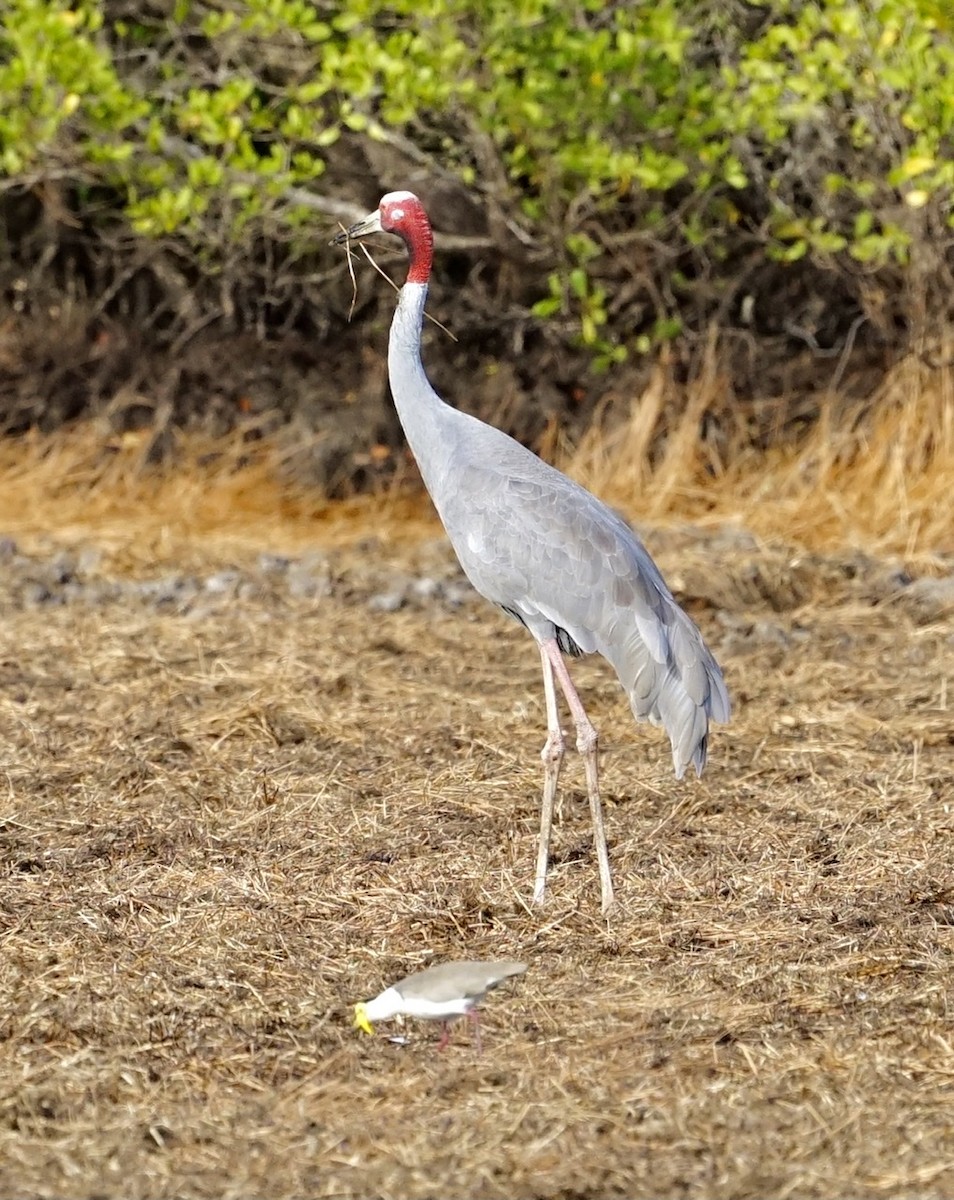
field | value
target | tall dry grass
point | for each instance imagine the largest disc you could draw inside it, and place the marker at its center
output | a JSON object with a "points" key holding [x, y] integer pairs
{"points": [[228, 496], [879, 477]]}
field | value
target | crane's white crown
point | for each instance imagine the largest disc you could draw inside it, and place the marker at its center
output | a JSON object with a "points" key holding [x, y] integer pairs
{"points": [[398, 198]]}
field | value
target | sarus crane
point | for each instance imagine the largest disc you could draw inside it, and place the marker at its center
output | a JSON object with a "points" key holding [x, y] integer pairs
{"points": [[551, 555]]}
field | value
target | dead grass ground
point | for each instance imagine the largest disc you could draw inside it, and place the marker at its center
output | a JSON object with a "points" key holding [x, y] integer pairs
{"points": [[221, 829]]}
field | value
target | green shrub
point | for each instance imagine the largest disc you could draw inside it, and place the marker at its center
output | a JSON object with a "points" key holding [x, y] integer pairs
{"points": [[689, 137]]}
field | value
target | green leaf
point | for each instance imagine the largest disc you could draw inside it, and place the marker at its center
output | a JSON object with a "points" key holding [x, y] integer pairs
{"points": [[546, 307]]}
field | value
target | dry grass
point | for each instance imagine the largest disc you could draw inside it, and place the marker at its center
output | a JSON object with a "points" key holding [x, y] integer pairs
{"points": [[879, 477], [221, 830], [227, 498]]}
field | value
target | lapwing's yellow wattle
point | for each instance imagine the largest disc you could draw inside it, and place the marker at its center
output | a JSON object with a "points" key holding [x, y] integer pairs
{"points": [[361, 1019]]}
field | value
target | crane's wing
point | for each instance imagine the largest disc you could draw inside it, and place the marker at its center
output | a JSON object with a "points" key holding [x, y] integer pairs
{"points": [[541, 546]]}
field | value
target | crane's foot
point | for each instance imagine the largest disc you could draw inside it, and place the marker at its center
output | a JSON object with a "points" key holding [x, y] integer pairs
{"points": [[610, 906]]}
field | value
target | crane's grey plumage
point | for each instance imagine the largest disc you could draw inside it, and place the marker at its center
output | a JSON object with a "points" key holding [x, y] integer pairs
{"points": [[551, 555]]}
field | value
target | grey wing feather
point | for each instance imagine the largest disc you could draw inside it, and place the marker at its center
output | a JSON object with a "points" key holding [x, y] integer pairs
{"points": [[454, 980], [539, 545]]}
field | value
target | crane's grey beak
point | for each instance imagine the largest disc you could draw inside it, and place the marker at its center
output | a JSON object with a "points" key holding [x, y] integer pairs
{"points": [[369, 224]]}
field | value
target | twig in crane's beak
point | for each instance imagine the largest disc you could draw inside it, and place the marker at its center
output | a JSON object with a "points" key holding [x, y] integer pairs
{"points": [[354, 282], [385, 276], [443, 328], [371, 224]]}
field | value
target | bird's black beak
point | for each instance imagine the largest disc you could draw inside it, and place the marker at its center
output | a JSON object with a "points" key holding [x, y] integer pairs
{"points": [[369, 224]]}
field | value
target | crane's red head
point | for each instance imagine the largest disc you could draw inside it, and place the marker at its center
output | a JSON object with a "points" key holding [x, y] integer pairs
{"points": [[401, 213]]}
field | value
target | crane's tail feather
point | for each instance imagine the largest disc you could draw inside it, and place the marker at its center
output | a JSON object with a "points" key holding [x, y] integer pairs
{"points": [[687, 724], [682, 693]]}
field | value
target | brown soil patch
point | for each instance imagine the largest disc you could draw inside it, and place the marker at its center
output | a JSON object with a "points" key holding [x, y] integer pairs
{"points": [[224, 825]]}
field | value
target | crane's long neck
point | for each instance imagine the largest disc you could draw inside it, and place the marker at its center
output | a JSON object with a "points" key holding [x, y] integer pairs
{"points": [[422, 413]]}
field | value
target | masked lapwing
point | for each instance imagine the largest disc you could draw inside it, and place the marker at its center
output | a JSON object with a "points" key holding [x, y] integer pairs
{"points": [[439, 993]]}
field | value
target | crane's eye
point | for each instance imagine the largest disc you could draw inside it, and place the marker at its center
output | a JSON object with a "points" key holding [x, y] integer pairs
{"points": [[397, 214]]}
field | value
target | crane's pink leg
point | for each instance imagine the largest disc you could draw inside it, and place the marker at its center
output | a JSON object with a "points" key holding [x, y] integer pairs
{"points": [[445, 1035], [587, 740], [552, 756]]}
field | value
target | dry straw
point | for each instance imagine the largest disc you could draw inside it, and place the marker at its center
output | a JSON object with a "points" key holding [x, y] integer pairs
{"points": [[220, 829]]}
